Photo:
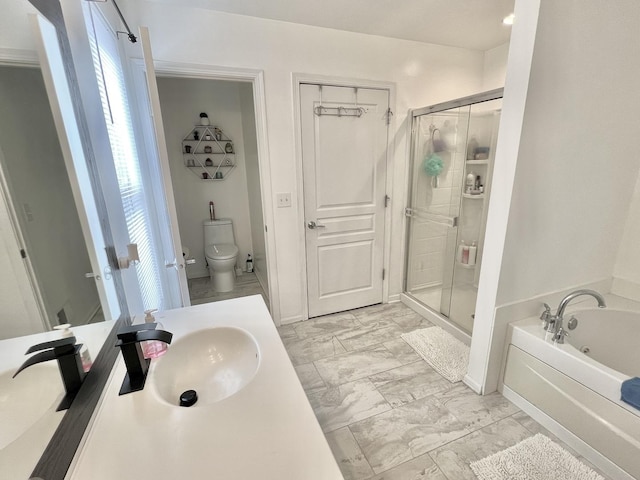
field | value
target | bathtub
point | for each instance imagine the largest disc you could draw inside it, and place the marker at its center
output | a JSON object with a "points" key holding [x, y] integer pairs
{"points": [[573, 389]]}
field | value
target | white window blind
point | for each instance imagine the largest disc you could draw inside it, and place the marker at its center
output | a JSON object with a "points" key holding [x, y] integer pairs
{"points": [[113, 92]]}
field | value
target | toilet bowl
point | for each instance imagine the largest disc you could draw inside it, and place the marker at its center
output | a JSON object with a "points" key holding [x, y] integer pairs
{"points": [[221, 253], [221, 259]]}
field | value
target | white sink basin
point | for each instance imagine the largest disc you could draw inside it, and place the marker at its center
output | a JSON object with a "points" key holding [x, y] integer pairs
{"points": [[216, 363], [26, 398]]}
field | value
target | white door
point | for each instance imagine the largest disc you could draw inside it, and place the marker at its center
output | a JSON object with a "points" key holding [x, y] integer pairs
{"points": [[344, 156], [65, 120], [176, 278]]}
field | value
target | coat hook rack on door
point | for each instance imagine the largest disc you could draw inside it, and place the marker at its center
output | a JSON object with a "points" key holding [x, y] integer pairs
{"points": [[339, 111]]}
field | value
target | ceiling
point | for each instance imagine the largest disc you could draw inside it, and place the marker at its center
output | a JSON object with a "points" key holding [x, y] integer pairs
{"points": [[473, 24]]}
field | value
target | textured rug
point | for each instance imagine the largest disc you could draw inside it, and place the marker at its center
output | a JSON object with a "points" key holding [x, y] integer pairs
{"points": [[536, 458], [446, 354]]}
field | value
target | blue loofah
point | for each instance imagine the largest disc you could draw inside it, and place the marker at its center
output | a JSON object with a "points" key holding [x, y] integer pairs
{"points": [[433, 165]]}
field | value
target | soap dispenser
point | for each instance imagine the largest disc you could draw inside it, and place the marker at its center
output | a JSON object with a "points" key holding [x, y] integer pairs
{"points": [[153, 348], [85, 356]]}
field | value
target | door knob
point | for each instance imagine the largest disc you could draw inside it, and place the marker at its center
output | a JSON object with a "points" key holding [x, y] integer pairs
{"points": [[92, 275], [313, 225]]}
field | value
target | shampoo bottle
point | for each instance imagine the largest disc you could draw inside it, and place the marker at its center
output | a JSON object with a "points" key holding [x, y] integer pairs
{"points": [[471, 148], [85, 356], [249, 264], [153, 348], [469, 183], [465, 255], [473, 250], [459, 253]]}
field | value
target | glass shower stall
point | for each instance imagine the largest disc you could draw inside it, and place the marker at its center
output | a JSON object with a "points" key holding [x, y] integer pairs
{"points": [[453, 148]]}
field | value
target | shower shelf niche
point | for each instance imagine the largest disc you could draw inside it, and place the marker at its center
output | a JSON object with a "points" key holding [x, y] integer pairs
{"points": [[477, 162], [210, 155], [465, 265], [477, 196]]}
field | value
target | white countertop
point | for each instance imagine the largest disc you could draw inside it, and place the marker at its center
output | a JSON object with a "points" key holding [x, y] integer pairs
{"points": [[265, 431], [18, 458]]}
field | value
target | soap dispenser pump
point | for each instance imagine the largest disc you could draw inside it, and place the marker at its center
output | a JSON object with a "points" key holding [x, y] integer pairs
{"points": [[153, 348], [85, 356]]}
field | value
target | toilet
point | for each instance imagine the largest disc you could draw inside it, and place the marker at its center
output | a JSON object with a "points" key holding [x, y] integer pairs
{"points": [[221, 253]]}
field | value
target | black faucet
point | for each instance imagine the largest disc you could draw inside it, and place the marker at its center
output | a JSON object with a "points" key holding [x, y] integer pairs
{"points": [[129, 339], [67, 353]]}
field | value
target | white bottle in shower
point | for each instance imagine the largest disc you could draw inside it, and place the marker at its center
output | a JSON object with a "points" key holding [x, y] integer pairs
{"points": [[473, 251], [459, 252], [470, 182]]}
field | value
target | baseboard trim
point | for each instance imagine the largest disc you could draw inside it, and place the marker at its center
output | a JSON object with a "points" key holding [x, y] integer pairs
{"points": [[472, 384]]}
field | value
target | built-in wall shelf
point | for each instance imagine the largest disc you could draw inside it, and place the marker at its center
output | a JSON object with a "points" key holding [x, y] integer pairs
{"points": [[477, 162], [208, 153], [465, 265], [477, 196]]}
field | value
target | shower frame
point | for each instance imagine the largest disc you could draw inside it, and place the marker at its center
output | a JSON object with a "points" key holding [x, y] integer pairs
{"points": [[435, 316]]}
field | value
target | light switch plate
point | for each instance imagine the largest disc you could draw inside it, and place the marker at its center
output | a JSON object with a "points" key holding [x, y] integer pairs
{"points": [[284, 199]]}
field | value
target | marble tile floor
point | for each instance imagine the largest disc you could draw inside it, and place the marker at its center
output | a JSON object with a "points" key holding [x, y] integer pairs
{"points": [[386, 414], [201, 290]]}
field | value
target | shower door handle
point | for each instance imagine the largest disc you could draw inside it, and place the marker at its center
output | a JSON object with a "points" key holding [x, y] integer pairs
{"points": [[313, 225], [431, 217]]}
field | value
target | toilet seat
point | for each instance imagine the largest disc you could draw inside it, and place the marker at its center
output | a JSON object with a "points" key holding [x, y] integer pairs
{"points": [[221, 251]]}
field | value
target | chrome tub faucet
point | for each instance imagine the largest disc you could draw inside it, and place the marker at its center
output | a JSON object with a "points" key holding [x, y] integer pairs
{"points": [[553, 323]]}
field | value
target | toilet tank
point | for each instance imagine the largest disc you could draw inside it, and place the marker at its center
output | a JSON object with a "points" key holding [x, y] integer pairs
{"points": [[218, 231]]}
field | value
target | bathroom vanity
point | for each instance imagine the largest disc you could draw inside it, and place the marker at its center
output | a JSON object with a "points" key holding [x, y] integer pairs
{"points": [[259, 425], [29, 401]]}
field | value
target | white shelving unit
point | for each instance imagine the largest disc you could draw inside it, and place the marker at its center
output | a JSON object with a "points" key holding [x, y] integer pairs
{"points": [[484, 128], [208, 153]]}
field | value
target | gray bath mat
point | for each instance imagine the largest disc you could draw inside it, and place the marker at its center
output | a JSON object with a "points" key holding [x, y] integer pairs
{"points": [[536, 458], [446, 354]]}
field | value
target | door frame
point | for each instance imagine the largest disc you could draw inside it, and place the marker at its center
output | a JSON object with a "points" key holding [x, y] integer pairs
{"points": [[256, 78], [390, 87], [27, 283]]}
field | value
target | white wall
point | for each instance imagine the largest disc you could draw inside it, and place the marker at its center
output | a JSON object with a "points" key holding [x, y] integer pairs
{"points": [[626, 281], [38, 178], [578, 160], [253, 183], [577, 163], [423, 74], [181, 100], [495, 67]]}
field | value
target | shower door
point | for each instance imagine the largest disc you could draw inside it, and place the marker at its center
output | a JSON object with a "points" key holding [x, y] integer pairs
{"points": [[439, 143], [452, 164]]}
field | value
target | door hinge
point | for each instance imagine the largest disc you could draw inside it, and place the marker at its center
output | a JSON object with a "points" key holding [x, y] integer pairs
{"points": [[265, 228], [389, 114], [408, 212], [23, 254], [387, 199], [383, 273]]}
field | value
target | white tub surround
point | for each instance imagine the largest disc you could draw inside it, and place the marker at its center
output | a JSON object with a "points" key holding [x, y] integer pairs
{"points": [[572, 394], [26, 430], [266, 430]]}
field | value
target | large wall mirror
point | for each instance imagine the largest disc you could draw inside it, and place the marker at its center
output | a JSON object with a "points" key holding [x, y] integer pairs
{"points": [[55, 239]]}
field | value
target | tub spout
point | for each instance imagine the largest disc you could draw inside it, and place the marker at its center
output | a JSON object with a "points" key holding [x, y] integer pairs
{"points": [[578, 293], [553, 323]]}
